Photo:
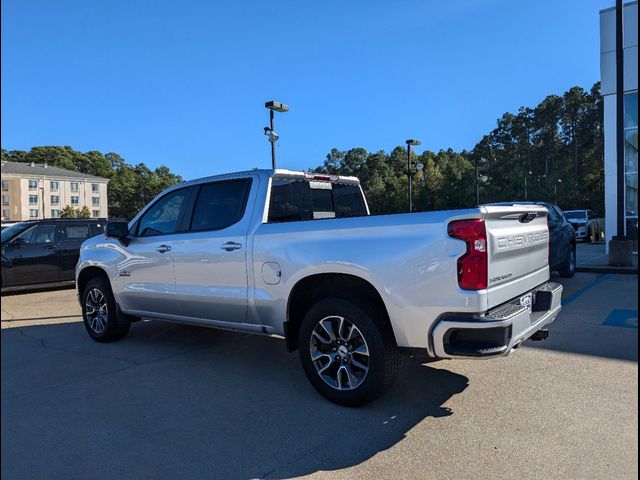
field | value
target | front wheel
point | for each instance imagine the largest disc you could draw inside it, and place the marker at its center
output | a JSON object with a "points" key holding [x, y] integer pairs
{"points": [[99, 312], [568, 269], [349, 356]]}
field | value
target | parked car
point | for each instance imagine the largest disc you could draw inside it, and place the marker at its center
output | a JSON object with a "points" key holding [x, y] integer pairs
{"points": [[587, 225], [44, 252], [562, 239], [296, 254]]}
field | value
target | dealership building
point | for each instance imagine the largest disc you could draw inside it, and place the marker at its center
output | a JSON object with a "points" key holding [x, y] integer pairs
{"points": [[608, 78]]}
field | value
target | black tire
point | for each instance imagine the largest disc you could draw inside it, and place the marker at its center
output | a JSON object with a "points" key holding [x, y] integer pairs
{"points": [[383, 358], [110, 330], [568, 268]]}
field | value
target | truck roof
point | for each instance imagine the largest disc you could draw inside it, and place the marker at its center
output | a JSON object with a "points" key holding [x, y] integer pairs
{"points": [[277, 173]]}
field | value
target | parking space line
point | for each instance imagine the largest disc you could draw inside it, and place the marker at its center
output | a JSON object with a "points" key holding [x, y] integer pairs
{"points": [[574, 296]]}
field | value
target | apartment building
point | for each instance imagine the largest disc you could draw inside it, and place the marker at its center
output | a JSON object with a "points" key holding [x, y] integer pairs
{"points": [[36, 191]]}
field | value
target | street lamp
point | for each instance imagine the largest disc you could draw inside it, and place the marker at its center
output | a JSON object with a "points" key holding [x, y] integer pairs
{"points": [[555, 190], [526, 193], [272, 136], [411, 142]]}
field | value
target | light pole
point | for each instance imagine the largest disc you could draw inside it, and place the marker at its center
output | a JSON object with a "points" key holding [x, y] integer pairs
{"points": [[411, 142], [269, 131], [526, 192], [555, 190]]}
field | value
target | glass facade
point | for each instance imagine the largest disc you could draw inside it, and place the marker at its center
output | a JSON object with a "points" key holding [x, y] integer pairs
{"points": [[631, 165]]}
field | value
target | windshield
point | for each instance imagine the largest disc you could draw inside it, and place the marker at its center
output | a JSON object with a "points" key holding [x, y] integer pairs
{"points": [[13, 230], [576, 214]]}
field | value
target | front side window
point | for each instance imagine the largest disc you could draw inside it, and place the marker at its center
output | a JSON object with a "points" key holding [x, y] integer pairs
{"points": [[75, 200], [162, 217], [33, 199], [54, 185], [39, 234], [295, 200], [33, 184], [219, 205], [74, 186], [55, 199]]}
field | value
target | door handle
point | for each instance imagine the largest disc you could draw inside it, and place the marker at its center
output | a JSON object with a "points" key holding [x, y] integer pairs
{"points": [[229, 246], [50, 246], [163, 249]]}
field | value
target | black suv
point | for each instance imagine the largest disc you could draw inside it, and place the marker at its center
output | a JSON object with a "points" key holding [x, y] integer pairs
{"points": [[44, 252]]}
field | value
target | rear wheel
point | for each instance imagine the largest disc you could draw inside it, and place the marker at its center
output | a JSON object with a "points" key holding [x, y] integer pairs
{"points": [[99, 312], [568, 269], [349, 355]]}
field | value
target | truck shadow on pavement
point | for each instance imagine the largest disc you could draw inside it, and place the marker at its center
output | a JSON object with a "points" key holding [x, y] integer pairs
{"points": [[175, 401]]}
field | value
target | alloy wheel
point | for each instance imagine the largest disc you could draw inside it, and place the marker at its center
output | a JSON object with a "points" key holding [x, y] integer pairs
{"points": [[96, 310], [339, 353]]}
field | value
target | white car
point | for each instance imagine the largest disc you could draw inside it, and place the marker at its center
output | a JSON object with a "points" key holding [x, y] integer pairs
{"points": [[588, 226], [297, 255]]}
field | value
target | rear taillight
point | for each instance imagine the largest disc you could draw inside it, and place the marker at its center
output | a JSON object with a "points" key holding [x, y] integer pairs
{"points": [[472, 266]]}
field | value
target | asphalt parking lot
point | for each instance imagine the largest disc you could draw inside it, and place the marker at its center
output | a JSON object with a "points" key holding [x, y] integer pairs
{"points": [[186, 402]]}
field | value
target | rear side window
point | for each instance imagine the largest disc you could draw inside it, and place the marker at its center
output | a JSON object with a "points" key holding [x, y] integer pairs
{"points": [[220, 205], [75, 232], [296, 200]]}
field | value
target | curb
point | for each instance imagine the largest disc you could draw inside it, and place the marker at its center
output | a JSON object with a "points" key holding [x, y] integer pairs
{"points": [[608, 269]]}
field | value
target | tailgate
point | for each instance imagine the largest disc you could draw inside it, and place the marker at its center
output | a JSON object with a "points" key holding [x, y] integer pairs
{"points": [[518, 247]]}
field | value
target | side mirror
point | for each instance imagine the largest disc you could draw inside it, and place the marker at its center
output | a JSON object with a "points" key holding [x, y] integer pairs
{"points": [[119, 230]]}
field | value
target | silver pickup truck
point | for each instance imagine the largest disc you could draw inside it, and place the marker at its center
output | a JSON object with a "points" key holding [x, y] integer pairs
{"points": [[298, 255]]}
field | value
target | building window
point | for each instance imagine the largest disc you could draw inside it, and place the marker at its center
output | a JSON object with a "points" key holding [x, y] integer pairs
{"points": [[95, 213], [74, 186], [5, 186], [5, 199], [95, 200], [54, 185], [75, 200], [95, 187], [55, 199], [55, 213], [631, 165], [33, 199], [5, 214], [33, 184], [33, 213]]}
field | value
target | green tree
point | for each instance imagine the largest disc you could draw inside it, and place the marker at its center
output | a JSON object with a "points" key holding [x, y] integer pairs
{"points": [[84, 212], [68, 212]]}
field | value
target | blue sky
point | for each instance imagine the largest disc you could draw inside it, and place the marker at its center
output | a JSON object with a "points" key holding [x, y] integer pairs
{"points": [[183, 83]]}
